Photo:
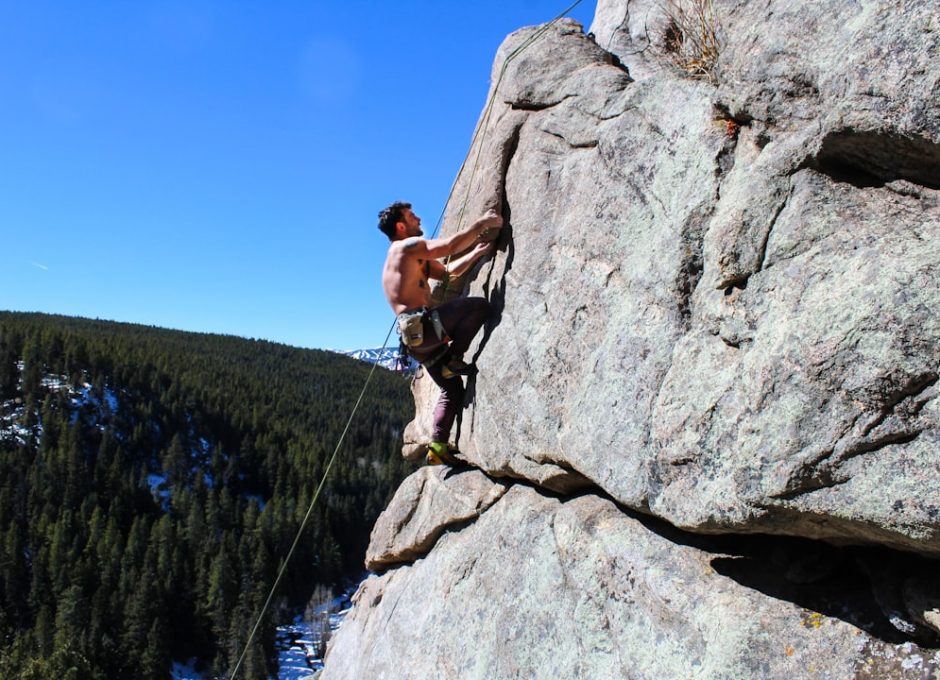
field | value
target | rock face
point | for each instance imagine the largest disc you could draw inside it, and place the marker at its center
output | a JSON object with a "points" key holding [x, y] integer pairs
{"points": [[592, 592], [716, 303]]}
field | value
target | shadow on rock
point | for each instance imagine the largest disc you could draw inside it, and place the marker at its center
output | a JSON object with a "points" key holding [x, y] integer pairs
{"points": [[892, 595], [496, 294], [861, 586]]}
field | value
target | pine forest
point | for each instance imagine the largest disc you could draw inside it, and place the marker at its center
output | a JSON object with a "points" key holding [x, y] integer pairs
{"points": [[152, 482]]}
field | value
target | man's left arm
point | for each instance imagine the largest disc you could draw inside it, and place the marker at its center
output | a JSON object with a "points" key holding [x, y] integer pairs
{"points": [[438, 271], [464, 262]]}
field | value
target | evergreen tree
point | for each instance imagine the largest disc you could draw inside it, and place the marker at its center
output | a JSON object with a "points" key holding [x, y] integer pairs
{"points": [[9, 372], [71, 619], [155, 659]]}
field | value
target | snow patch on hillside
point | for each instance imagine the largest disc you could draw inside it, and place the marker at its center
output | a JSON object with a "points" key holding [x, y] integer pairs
{"points": [[298, 642], [185, 671]]}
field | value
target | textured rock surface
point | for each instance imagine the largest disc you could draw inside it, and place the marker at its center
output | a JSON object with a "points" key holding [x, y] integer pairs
{"points": [[593, 593], [717, 301], [427, 502]]}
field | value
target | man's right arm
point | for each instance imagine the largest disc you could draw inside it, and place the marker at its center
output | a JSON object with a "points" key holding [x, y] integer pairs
{"points": [[442, 247]]}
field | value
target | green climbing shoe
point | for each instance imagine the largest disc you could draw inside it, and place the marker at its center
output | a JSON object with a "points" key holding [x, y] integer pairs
{"points": [[439, 454]]}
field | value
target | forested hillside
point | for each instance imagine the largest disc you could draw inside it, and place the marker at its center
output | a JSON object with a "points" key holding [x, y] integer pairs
{"points": [[152, 480]]}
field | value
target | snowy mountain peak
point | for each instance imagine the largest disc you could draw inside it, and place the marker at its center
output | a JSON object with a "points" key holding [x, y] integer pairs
{"points": [[386, 357]]}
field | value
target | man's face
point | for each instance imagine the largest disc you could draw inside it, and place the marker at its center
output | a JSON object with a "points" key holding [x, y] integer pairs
{"points": [[411, 222]]}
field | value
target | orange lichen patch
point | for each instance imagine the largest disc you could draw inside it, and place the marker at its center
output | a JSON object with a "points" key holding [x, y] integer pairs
{"points": [[789, 650]]}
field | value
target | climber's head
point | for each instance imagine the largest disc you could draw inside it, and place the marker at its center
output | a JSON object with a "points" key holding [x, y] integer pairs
{"points": [[397, 221]]}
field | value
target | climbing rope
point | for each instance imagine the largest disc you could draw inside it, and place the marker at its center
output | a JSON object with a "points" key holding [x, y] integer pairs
{"points": [[482, 128], [303, 522], [485, 124]]}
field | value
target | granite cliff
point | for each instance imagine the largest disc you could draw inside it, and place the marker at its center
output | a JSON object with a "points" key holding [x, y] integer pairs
{"points": [[704, 435]]}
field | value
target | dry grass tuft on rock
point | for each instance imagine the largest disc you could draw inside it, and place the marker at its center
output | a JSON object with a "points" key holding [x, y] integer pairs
{"points": [[689, 39]]}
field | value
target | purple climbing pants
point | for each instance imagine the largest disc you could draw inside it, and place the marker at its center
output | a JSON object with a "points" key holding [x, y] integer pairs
{"points": [[461, 318]]}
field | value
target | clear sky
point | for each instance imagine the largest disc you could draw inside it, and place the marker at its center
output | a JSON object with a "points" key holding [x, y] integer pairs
{"points": [[217, 166]]}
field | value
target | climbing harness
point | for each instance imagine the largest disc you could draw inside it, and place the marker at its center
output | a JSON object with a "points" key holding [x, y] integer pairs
{"points": [[427, 351], [435, 320], [411, 328]]}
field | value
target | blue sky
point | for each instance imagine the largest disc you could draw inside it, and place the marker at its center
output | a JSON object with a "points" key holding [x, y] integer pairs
{"points": [[218, 166]]}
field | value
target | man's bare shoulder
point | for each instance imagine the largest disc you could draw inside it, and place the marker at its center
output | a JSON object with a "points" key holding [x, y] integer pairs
{"points": [[412, 243], [409, 247]]}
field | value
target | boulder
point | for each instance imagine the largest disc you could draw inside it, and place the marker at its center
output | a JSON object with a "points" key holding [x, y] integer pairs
{"points": [[424, 506]]}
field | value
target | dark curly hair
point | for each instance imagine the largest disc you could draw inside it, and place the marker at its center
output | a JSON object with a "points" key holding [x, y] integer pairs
{"points": [[390, 216]]}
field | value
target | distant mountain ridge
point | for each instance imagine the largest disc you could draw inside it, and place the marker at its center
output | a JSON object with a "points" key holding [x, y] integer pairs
{"points": [[386, 357]]}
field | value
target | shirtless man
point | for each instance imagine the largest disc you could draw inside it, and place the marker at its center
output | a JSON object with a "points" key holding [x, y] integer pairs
{"points": [[411, 262]]}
